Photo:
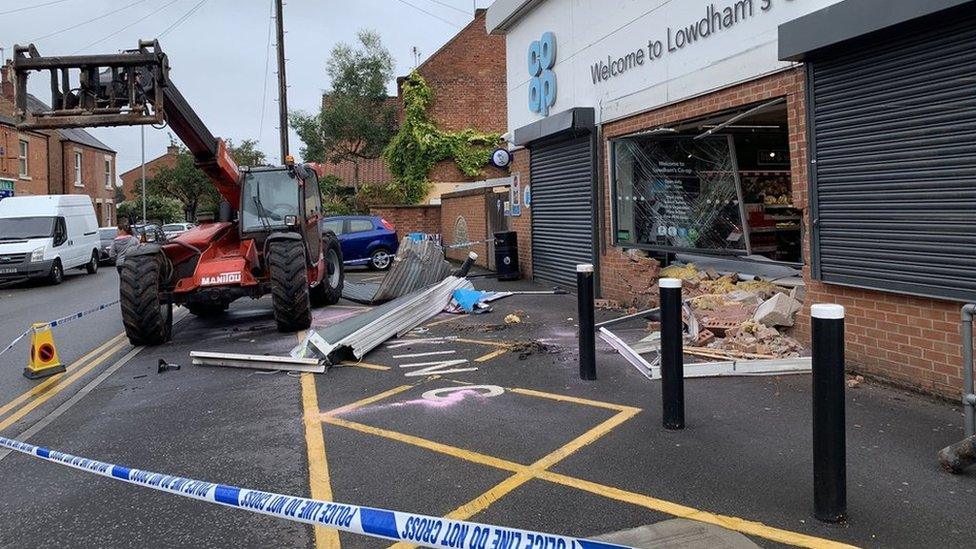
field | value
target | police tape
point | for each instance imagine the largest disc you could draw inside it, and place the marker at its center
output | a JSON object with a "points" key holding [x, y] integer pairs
{"points": [[62, 321], [468, 244], [369, 521]]}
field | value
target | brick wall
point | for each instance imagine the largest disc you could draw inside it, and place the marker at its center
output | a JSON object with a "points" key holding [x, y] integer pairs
{"points": [[92, 179], [411, 219], [468, 78], [132, 179], [522, 224], [36, 181], [910, 341], [469, 206]]}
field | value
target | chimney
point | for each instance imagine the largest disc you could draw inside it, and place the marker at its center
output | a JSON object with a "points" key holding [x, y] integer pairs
{"points": [[7, 75], [173, 149]]}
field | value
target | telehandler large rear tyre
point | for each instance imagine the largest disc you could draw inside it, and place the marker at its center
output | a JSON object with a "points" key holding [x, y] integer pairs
{"points": [[289, 285], [147, 320], [329, 291]]}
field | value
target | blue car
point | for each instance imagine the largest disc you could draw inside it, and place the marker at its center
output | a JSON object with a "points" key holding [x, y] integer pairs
{"points": [[365, 240]]}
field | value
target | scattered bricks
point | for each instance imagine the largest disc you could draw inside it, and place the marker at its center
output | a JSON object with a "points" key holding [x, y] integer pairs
{"points": [[606, 304], [721, 327], [779, 310], [705, 337], [712, 273]]}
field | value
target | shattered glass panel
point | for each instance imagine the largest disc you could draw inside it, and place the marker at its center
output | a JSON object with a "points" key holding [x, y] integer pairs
{"points": [[676, 192]]}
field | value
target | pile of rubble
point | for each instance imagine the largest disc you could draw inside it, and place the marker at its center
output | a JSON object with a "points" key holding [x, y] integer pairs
{"points": [[745, 318]]}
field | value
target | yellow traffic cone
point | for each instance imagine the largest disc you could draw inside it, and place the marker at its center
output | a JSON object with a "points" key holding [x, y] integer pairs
{"points": [[44, 360]]}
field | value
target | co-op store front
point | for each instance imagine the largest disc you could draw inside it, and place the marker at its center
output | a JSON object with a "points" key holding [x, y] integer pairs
{"points": [[835, 137]]}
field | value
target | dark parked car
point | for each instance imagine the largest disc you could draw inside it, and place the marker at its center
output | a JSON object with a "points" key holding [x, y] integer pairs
{"points": [[365, 240], [105, 237], [149, 233]]}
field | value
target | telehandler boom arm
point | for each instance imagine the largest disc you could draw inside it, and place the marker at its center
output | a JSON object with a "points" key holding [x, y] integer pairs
{"points": [[124, 89]]}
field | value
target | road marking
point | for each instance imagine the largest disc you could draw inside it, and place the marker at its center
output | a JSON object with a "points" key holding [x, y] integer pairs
{"points": [[66, 405], [365, 365], [575, 400], [43, 386], [443, 321], [319, 481], [491, 355], [318, 466], [539, 470], [446, 449], [485, 342], [747, 527], [41, 399], [366, 401], [431, 353]]}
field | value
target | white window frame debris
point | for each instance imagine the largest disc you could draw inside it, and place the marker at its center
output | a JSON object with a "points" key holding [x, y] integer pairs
{"points": [[723, 368]]}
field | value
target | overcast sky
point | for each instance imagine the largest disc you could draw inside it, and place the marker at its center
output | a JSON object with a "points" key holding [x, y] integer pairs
{"points": [[218, 54]]}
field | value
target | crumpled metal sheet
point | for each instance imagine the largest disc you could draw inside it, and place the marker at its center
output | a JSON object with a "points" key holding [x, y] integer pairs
{"points": [[360, 292], [362, 333]]}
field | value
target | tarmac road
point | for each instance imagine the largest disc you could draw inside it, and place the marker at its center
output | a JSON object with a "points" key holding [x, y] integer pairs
{"points": [[548, 453]]}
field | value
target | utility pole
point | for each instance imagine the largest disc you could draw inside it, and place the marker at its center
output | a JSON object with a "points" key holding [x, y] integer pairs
{"points": [[142, 130], [282, 82]]}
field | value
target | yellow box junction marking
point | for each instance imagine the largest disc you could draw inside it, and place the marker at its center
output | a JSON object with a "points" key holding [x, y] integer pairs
{"points": [[539, 470]]}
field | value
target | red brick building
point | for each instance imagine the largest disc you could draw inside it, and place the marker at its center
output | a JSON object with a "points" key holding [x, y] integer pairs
{"points": [[132, 179], [467, 76], [69, 161]]}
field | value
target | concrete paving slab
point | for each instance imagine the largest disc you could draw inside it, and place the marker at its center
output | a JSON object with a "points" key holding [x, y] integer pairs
{"points": [[679, 534]]}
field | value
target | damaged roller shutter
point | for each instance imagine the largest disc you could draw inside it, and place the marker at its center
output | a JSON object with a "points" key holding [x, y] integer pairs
{"points": [[893, 195], [562, 209]]}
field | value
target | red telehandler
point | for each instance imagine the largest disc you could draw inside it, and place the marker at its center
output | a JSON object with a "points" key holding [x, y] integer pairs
{"points": [[267, 238]]}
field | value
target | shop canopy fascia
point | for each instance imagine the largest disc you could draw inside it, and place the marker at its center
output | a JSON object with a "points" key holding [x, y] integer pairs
{"points": [[807, 36], [575, 121]]}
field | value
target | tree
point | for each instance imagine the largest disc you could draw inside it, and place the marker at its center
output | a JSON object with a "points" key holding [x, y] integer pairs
{"points": [[356, 121], [159, 209], [247, 153], [186, 183]]}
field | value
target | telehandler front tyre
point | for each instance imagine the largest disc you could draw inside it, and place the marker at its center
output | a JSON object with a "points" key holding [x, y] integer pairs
{"points": [[147, 320], [289, 285]]}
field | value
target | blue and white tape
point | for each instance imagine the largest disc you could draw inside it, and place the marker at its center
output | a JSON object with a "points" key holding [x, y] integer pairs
{"points": [[369, 521], [62, 321]]}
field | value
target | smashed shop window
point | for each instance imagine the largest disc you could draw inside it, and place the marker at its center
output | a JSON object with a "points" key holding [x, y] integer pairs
{"points": [[678, 193]]}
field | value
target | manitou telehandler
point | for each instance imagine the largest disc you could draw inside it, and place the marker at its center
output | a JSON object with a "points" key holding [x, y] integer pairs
{"points": [[267, 238]]}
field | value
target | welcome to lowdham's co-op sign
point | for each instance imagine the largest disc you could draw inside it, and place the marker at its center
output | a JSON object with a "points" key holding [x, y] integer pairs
{"points": [[673, 39], [678, 38]]}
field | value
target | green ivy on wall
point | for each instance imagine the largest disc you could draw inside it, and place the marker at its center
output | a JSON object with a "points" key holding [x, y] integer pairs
{"points": [[419, 144]]}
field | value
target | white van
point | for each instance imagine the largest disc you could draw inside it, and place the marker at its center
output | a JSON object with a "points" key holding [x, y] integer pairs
{"points": [[41, 236]]}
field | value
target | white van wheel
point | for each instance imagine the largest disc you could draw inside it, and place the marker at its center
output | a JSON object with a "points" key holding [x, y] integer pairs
{"points": [[57, 273], [92, 266]]}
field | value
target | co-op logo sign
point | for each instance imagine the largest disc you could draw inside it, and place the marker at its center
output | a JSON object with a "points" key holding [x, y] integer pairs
{"points": [[542, 87]]}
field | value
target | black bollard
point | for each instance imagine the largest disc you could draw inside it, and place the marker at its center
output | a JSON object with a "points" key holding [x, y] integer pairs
{"points": [[587, 332], [829, 444], [672, 355], [466, 266]]}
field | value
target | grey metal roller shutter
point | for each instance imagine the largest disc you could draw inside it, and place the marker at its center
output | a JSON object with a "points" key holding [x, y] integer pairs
{"points": [[893, 192], [562, 209]]}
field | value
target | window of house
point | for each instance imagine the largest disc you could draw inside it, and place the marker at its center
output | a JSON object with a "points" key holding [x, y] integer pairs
{"points": [[108, 173], [78, 170], [22, 156]]}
